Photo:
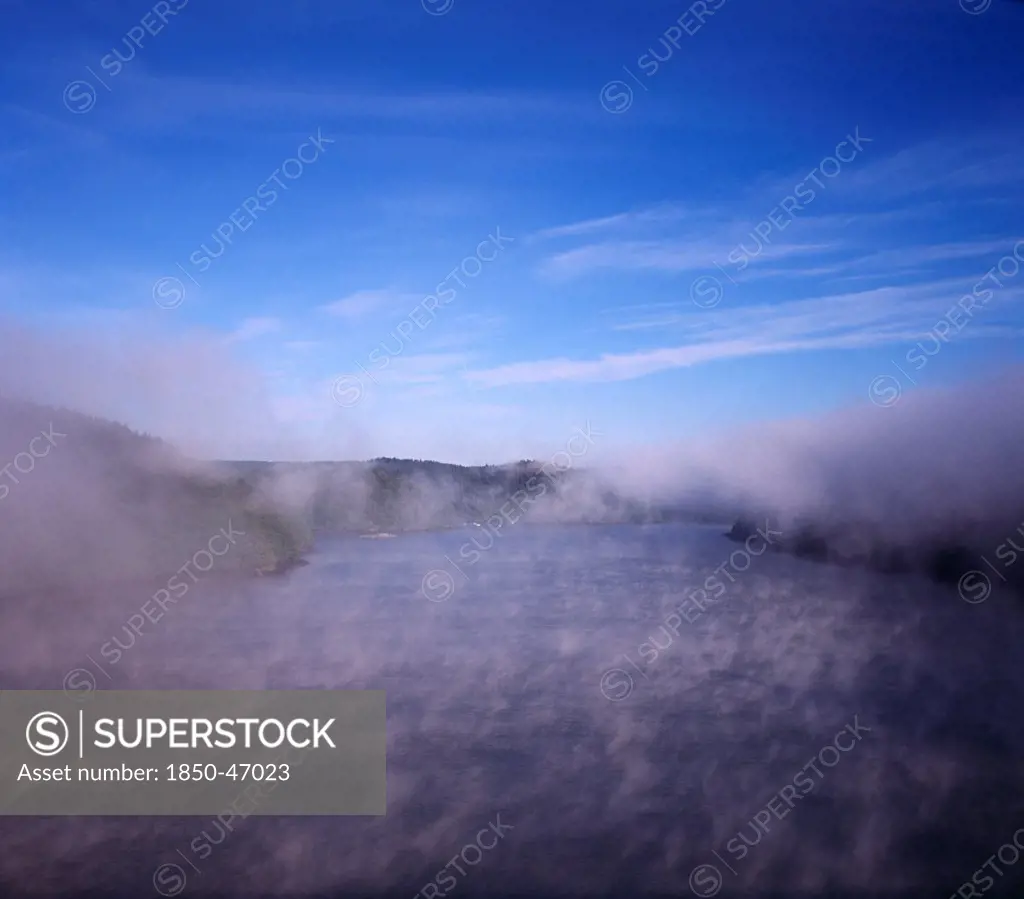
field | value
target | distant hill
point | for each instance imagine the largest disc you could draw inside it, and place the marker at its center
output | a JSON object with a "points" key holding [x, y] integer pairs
{"points": [[971, 555], [83, 498], [397, 495]]}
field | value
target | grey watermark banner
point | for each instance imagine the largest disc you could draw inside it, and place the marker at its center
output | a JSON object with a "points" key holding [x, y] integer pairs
{"points": [[193, 752]]}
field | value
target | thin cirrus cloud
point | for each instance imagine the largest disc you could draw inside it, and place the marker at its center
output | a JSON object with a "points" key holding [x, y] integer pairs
{"points": [[900, 308], [944, 164], [888, 263], [654, 215], [253, 328], [364, 302], [707, 236], [844, 231], [819, 238], [664, 256], [922, 255], [168, 99], [670, 238], [422, 368], [859, 320]]}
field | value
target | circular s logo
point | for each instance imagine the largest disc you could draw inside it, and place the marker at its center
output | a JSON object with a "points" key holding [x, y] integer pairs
{"points": [[705, 880], [79, 96], [437, 585], [347, 390], [885, 391], [79, 683], [47, 733], [616, 97], [169, 880], [975, 7], [169, 293], [706, 292], [616, 685], [974, 587]]}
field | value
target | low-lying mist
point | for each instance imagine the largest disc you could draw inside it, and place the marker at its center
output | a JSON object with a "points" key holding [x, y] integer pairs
{"points": [[84, 499], [495, 701], [937, 468]]}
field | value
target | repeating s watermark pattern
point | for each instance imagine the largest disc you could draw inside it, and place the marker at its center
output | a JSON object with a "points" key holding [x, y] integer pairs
{"points": [[170, 879], [886, 390], [347, 390], [438, 584], [169, 291], [24, 463], [80, 95], [980, 882], [80, 682], [707, 291], [617, 684], [707, 879], [471, 854], [975, 586], [617, 95], [437, 7], [975, 7]]}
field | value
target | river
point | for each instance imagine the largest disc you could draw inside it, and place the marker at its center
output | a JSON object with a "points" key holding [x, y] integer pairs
{"points": [[543, 704]]}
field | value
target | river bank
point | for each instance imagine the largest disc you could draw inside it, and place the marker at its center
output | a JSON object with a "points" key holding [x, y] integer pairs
{"points": [[967, 559]]}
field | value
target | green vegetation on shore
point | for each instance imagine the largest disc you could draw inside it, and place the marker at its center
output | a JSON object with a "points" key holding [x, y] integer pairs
{"points": [[945, 558], [97, 502]]}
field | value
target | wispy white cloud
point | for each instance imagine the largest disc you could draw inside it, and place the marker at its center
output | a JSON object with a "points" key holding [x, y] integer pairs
{"points": [[163, 100], [252, 328], [911, 260], [942, 252], [816, 314], [853, 213], [660, 214], [422, 368], [672, 256], [363, 302], [944, 164], [846, 321], [470, 330]]}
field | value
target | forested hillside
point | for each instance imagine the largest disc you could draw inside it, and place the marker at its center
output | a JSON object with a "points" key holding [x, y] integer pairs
{"points": [[87, 499]]}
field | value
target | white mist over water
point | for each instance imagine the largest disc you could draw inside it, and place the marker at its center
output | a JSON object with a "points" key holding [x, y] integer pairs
{"points": [[495, 700], [495, 706]]}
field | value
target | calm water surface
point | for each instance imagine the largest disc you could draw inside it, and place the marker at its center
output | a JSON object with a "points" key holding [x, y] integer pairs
{"points": [[529, 694]]}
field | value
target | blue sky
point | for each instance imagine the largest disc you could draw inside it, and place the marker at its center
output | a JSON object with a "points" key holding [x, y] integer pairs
{"points": [[595, 174]]}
